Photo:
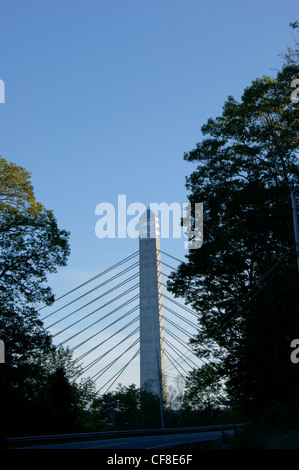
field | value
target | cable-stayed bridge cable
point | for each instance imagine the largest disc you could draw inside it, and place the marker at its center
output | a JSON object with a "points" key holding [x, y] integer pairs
{"points": [[185, 346], [176, 352], [188, 322], [107, 339], [96, 310], [180, 328], [173, 365], [94, 300], [163, 274], [93, 290], [183, 356], [98, 321], [123, 369], [187, 333], [105, 354], [119, 373], [168, 266], [103, 329], [167, 353], [170, 256], [178, 304], [95, 277], [107, 367]]}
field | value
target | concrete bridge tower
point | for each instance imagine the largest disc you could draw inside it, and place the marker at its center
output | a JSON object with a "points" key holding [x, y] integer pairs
{"points": [[152, 356]]}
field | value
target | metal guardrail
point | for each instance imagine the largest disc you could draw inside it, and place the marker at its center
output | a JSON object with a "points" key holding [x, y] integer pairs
{"points": [[138, 432]]}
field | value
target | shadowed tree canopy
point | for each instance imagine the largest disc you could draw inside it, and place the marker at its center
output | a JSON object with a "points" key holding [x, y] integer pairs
{"points": [[31, 247], [291, 56], [31, 244], [243, 280], [127, 408]]}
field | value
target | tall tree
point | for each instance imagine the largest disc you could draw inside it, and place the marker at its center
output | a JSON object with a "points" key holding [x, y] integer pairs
{"points": [[127, 408], [243, 281], [291, 56], [31, 246]]}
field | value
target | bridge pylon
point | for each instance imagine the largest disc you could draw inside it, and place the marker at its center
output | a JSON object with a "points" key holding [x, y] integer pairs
{"points": [[152, 353]]}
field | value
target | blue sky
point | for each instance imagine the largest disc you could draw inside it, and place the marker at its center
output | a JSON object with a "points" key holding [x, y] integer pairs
{"points": [[104, 97]]}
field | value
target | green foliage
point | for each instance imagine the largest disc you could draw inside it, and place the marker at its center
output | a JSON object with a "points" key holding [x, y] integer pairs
{"points": [[16, 190], [203, 389], [291, 56], [247, 164], [37, 391], [31, 244], [127, 408]]}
